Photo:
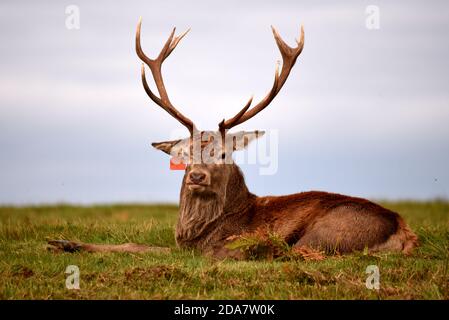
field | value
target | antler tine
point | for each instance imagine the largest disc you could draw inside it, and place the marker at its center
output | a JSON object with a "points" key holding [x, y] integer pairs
{"points": [[289, 56], [155, 67], [175, 41], [172, 111], [139, 50], [226, 124]]}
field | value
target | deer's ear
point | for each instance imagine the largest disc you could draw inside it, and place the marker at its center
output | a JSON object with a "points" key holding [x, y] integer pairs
{"points": [[165, 146], [242, 139]]}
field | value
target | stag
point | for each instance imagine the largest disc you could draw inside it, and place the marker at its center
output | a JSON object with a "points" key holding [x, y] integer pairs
{"points": [[216, 205]]}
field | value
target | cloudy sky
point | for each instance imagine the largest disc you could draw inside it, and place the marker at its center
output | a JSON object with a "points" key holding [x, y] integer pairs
{"points": [[364, 112]]}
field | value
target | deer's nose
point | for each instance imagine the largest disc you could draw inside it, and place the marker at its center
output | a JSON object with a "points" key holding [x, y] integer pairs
{"points": [[197, 177]]}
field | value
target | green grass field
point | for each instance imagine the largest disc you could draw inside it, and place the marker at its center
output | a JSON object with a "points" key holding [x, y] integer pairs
{"points": [[29, 271]]}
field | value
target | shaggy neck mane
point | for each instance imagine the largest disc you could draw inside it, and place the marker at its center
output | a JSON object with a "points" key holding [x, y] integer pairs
{"points": [[197, 212]]}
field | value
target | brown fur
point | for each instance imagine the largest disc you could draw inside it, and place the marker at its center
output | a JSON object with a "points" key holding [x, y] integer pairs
{"points": [[327, 221]]}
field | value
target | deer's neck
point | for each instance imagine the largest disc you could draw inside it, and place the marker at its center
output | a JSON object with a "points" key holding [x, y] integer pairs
{"points": [[199, 214]]}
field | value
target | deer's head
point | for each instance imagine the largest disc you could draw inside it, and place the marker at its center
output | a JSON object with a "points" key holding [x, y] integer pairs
{"points": [[209, 153]]}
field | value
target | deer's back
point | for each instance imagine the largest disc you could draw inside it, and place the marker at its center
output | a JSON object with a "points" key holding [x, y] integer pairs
{"points": [[326, 218]]}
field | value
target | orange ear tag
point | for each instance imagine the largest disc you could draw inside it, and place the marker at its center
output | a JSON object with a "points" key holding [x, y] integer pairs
{"points": [[177, 164]]}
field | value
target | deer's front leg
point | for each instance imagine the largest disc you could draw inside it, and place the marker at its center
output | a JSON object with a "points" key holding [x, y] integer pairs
{"points": [[73, 246]]}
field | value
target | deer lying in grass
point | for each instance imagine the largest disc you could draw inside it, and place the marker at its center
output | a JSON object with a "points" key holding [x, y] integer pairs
{"points": [[215, 204]]}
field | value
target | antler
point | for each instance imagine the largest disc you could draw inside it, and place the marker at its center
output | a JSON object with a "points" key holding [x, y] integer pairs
{"points": [[155, 67], [289, 56]]}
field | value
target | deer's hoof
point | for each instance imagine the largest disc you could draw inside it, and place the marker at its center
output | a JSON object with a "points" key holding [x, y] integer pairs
{"points": [[64, 245]]}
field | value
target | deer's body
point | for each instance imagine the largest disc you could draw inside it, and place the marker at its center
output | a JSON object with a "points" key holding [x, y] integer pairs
{"points": [[321, 220], [215, 203]]}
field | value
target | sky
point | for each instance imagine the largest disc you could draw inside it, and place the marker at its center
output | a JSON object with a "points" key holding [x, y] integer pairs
{"points": [[365, 111]]}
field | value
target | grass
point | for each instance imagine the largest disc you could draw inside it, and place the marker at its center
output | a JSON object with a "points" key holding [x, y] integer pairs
{"points": [[29, 271]]}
